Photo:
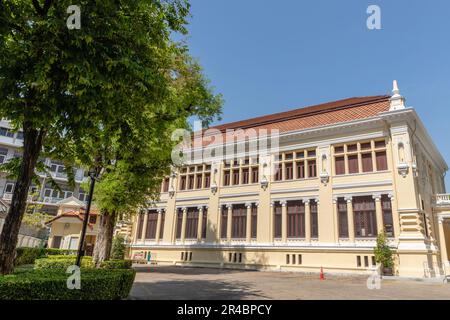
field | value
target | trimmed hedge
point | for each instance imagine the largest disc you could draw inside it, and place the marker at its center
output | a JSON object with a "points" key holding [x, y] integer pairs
{"points": [[62, 262], [96, 284], [116, 264], [29, 255]]}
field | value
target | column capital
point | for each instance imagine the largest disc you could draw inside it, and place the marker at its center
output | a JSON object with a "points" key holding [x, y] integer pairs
{"points": [[306, 201], [200, 208], [229, 206], [335, 200], [349, 199], [283, 203], [391, 196], [440, 220], [376, 196], [272, 203], [317, 200], [248, 204], [184, 209]]}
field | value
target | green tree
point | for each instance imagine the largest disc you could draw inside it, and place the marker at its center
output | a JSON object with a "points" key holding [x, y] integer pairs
{"points": [[118, 248], [382, 252], [63, 87]]}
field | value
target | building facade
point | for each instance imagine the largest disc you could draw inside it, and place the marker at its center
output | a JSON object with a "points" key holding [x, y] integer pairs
{"points": [[342, 172], [66, 228], [45, 197]]}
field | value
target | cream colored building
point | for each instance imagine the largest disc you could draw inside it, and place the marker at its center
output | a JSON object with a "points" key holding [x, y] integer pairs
{"points": [[66, 227], [343, 171]]}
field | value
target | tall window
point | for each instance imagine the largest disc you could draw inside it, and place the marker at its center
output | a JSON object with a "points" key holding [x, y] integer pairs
{"points": [[151, 225], [224, 222], [277, 220], [3, 154], [239, 222], [165, 187], [343, 218], [314, 219], [191, 223], [140, 225], [367, 163], [235, 177], [278, 172], [179, 223], [254, 221], [183, 183], [207, 180], [226, 178], [353, 164], [161, 231], [388, 221], [204, 222], [245, 176], [295, 219], [381, 160], [365, 217], [289, 171], [340, 165], [190, 183], [255, 175], [300, 170]]}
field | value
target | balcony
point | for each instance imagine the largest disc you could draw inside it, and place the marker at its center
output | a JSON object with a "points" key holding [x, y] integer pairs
{"points": [[442, 200]]}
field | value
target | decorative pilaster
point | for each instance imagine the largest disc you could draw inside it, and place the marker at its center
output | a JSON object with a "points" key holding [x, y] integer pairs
{"points": [[200, 223], [272, 221], [351, 224], [378, 212], [158, 225], [248, 231], [144, 226], [283, 220], [442, 244], [307, 220], [229, 221], [183, 224], [336, 219]]}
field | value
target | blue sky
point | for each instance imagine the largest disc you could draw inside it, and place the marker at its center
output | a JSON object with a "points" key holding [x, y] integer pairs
{"points": [[271, 56]]}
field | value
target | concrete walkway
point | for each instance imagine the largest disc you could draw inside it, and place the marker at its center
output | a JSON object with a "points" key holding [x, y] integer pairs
{"points": [[177, 283]]}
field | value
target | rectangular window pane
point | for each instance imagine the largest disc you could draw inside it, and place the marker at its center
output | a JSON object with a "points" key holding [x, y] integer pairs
{"points": [[289, 171], [340, 165], [353, 164], [343, 218], [367, 164], [226, 178], [245, 176], [235, 177], [312, 172], [239, 222], [300, 170], [277, 222], [381, 161], [224, 222], [295, 219], [314, 220], [254, 221], [255, 173], [207, 180]]}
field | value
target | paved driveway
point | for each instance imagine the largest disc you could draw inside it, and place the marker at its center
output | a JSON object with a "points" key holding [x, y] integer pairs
{"points": [[177, 283]]}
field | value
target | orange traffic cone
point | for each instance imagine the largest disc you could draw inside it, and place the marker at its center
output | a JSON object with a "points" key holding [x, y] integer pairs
{"points": [[322, 275]]}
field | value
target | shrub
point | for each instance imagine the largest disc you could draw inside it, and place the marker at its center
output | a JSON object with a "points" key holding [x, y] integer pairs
{"points": [[29, 255], [61, 262], [116, 264], [96, 284], [118, 248], [382, 252]]}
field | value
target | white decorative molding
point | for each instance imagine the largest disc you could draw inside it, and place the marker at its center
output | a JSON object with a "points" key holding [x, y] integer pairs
{"points": [[403, 169], [324, 177], [362, 184], [236, 195], [296, 190]]}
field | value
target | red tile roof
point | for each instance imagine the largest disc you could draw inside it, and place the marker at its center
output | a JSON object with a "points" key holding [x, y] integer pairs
{"points": [[73, 214], [313, 116]]}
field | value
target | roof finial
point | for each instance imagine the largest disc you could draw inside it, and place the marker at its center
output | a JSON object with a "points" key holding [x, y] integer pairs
{"points": [[397, 100]]}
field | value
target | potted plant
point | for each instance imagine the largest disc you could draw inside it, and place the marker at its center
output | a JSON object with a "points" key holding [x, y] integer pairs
{"points": [[383, 254]]}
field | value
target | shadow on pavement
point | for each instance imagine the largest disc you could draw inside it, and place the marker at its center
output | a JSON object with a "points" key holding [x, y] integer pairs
{"points": [[193, 290]]}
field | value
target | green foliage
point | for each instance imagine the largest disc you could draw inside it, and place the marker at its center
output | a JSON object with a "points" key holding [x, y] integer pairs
{"points": [[382, 252], [116, 264], [61, 262], [36, 219], [29, 255], [118, 248], [96, 284]]}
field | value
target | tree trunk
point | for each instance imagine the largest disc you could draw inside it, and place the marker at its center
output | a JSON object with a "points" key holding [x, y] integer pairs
{"points": [[103, 243], [33, 140]]}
